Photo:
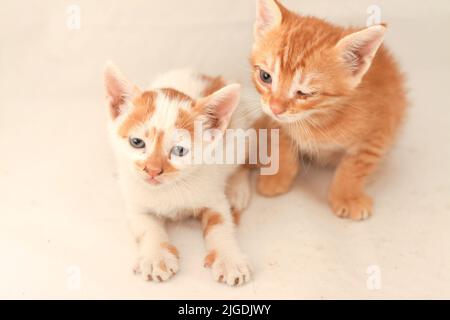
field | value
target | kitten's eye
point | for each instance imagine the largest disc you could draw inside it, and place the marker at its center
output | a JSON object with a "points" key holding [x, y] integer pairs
{"points": [[137, 143], [265, 77], [179, 151]]}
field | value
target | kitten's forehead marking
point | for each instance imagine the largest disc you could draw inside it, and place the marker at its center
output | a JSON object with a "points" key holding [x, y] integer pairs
{"points": [[155, 110], [211, 84], [142, 109], [168, 105], [157, 145]]}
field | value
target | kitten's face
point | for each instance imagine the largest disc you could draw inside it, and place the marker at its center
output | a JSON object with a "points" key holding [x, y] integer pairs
{"points": [[302, 65], [293, 86], [151, 136], [154, 130]]}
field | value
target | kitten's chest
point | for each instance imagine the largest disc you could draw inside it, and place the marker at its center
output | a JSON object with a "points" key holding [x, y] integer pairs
{"points": [[175, 202]]}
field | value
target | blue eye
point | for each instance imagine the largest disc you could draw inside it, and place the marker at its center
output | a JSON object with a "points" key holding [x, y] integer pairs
{"points": [[179, 151], [265, 77], [137, 143]]}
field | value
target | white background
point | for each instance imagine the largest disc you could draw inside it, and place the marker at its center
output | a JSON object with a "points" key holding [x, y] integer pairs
{"points": [[59, 201]]}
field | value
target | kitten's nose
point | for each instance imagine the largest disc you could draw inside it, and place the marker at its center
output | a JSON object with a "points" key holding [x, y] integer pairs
{"points": [[277, 105], [154, 172]]}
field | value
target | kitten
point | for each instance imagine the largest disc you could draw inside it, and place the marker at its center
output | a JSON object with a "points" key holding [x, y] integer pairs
{"points": [[158, 180], [336, 94]]}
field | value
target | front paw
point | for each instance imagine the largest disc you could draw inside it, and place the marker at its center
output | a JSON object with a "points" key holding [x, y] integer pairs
{"points": [[272, 186], [354, 207], [233, 270], [158, 266]]}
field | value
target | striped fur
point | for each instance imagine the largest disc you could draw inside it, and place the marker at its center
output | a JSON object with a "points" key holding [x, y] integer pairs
{"points": [[158, 187], [337, 95]]}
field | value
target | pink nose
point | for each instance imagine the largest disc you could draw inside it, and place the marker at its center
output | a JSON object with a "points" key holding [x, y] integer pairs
{"points": [[276, 109], [154, 172]]}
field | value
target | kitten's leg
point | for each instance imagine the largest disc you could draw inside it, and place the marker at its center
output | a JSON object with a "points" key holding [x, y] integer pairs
{"points": [[347, 196], [225, 258], [157, 258], [239, 192], [289, 165]]}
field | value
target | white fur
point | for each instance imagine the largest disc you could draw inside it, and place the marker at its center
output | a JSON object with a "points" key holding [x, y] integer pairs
{"points": [[191, 189], [240, 191], [184, 80], [366, 43]]}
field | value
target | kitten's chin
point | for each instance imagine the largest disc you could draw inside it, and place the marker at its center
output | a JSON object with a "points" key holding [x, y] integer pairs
{"points": [[292, 118], [283, 118], [157, 182], [160, 182], [289, 118], [153, 182]]}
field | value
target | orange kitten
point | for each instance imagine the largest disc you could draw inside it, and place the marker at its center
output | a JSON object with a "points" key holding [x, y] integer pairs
{"points": [[336, 93]]}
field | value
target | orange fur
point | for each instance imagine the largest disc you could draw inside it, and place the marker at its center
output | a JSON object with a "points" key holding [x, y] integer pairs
{"points": [[176, 95], [352, 108], [143, 109], [150, 133], [214, 84], [158, 161], [281, 182], [163, 266], [167, 246], [210, 220], [186, 120], [210, 258], [236, 216]]}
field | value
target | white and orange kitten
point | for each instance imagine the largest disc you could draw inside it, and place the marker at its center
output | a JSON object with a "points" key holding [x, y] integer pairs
{"points": [[158, 181]]}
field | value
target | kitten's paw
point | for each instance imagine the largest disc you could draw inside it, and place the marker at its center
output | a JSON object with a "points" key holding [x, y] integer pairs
{"points": [[356, 208], [233, 270], [272, 186], [158, 266]]}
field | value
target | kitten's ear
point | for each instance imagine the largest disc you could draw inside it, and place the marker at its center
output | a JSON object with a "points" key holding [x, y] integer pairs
{"points": [[358, 49], [118, 89], [219, 106], [268, 16]]}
